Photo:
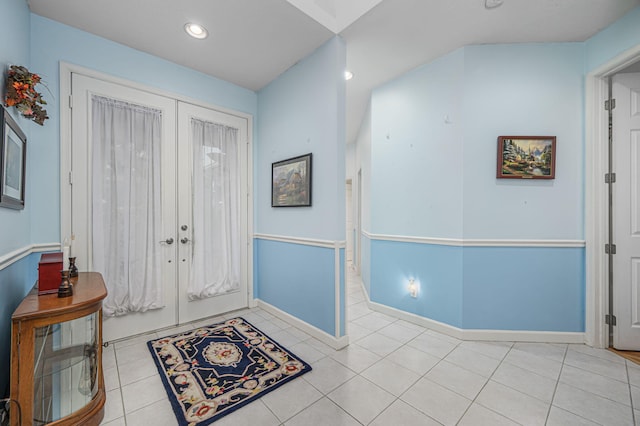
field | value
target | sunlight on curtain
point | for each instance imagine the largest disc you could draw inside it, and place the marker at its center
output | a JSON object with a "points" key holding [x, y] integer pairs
{"points": [[126, 204], [216, 199]]}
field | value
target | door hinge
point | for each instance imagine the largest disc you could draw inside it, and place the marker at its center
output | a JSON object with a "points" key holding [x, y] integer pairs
{"points": [[70, 101], [610, 249], [70, 178], [609, 104], [610, 319], [609, 178]]}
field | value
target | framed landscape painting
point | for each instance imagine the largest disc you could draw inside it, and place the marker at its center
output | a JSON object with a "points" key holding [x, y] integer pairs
{"points": [[291, 182], [526, 157], [13, 154]]}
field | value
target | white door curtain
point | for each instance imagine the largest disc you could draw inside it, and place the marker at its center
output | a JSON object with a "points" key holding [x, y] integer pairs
{"points": [[215, 267], [126, 204]]}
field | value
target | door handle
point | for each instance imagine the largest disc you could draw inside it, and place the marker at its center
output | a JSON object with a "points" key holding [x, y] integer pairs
{"points": [[168, 241], [184, 240]]}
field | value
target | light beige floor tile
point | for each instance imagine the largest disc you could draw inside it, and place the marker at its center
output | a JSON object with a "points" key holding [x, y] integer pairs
{"points": [[113, 406], [402, 414], [159, 413], [306, 352], [373, 321], [513, 404], [111, 379], [379, 344], [560, 417], [477, 415], [595, 383], [252, 414], [543, 366], [291, 398], [142, 393], [598, 353], [473, 361], [525, 381], [413, 359], [438, 402], [457, 379], [355, 357], [136, 370], [611, 369], [399, 332], [552, 351], [328, 374], [322, 413], [350, 398], [432, 345], [390, 376], [497, 350], [357, 332], [117, 422], [591, 406]]}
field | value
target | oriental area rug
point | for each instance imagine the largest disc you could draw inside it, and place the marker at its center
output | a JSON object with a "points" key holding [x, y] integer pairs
{"points": [[212, 371]]}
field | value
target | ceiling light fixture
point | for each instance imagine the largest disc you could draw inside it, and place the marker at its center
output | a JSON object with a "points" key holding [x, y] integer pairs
{"points": [[492, 4], [348, 75], [195, 30]]}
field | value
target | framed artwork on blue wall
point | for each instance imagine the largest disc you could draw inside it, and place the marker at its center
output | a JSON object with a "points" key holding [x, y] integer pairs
{"points": [[526, 157], [291, 182], [13, 162]]}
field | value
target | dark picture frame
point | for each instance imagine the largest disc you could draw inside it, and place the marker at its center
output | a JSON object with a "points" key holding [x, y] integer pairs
{"points": [[291, 182], [526, 157], [13, 162]]}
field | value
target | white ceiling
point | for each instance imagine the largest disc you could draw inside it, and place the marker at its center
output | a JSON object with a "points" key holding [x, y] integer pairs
{"points": [[252, 42]]}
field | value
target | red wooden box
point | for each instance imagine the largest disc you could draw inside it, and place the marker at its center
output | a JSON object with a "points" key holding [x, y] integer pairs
{"points": [[49, 277]]}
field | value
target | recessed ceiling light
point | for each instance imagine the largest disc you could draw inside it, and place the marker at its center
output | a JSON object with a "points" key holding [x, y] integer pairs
{"points": [[492, 4], [195, 30], [348, 75]]}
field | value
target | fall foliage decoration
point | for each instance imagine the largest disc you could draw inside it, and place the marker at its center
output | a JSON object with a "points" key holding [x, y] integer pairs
{"points": [[22, 94]]}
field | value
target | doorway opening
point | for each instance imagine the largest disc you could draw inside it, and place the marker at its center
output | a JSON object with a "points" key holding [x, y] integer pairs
{"points": [[599, 269]]}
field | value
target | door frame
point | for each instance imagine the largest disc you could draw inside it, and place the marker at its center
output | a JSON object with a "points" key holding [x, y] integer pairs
{"points": [[596, 196], [66, 70]]}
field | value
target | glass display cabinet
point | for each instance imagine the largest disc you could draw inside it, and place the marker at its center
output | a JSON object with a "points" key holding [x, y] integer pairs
{"points": [[56, 356]]}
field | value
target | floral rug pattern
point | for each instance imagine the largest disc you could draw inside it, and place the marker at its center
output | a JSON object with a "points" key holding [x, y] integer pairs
{"points": [[212, 371]]}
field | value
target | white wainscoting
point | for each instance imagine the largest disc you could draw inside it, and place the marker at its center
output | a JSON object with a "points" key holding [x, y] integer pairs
{"points": [[12, 257]]}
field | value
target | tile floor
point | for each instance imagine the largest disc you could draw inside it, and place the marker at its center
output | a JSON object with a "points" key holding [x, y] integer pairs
{"points": [[400, 374]]}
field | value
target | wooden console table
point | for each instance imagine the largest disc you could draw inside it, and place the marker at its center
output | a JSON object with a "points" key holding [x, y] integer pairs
{"points": [[56, 356]]}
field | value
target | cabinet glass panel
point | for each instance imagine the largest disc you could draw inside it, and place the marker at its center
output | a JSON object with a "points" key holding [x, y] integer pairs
{"points": [[65, 368]]}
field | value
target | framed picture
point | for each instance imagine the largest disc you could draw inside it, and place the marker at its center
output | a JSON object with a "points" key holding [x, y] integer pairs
{"points": [[526, 157], [291, 182], [13, 156]]}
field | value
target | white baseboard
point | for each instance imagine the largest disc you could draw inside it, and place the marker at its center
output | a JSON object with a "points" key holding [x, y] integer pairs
{"points": [[335, 342], [470, 334]]}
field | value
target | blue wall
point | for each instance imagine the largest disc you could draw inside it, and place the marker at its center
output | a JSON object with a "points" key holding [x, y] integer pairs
{"points": [[299, 280], [14, 50], [436, 270], [523, 89], [441, 123], [15, 230], [416, 156], [302, 111], [622, 35], [524, 288]]}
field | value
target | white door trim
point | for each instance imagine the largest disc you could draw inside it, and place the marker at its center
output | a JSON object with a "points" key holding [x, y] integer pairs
{"points": [[596, 197], [66, 69]]}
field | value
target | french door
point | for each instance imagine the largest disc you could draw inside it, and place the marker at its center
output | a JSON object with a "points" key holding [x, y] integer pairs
{"points": [[175, 240]]}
